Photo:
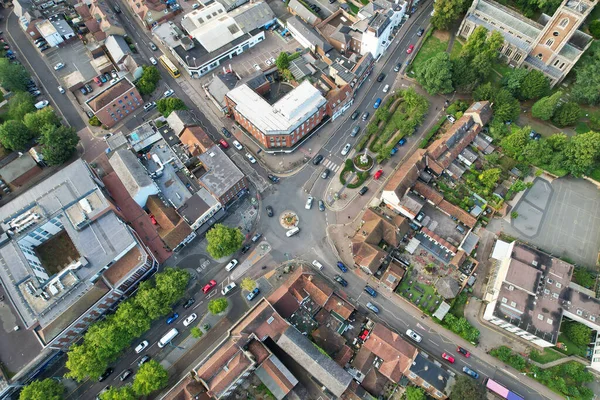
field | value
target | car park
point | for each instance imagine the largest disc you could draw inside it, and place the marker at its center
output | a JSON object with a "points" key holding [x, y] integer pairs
{"points": [[355, 131], [125, 374], [153, 61], [321, 205], [252, 295], [355, 115], [378, 174], [309, 202], [365, 116], [251, 158], [448, 358], [346, 149], [237, 145], [413, 335], [317, 160], [341, 266], [377, 104], [152, 46], [270, 211], [59, 66], [150, 105], [172, 318], [373, 307], [363, 190], [169, 93], [463, 351], [144, 360], [189, 303], [410, 49], [228, 288], [225, 132], [325, 173], [381, 77], [208, 287], [470, 372], [340, 280], [141, 347], [192, 317], [105, 374], [370, 291], [231, 265]]}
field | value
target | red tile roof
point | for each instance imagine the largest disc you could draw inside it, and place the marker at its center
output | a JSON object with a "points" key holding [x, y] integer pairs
{"points": [[428, 192], [397, 354], [340, 306], [458, 213]]}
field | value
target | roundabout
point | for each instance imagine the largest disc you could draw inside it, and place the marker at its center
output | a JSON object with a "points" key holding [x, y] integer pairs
{"points": [[289, 220]]}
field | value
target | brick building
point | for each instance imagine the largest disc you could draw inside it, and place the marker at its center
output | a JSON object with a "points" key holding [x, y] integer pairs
{"points": [[115, 102], [220, 176]]}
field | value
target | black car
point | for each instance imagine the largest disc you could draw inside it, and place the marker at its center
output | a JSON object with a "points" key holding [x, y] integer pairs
{"points": [[340, 280], [245, 249], [106, 374], [355, 115], [226, 132], [83, 91], [317, 9], [381, 77], [420, 32], [189, 303], [325, 173], [270, 211], [397, 67], [273, 178], [317, 160], [363, 190], [44, 47], [143, 360]]}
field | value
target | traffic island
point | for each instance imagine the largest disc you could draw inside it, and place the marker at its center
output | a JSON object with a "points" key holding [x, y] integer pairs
{"points": [[289, 220]]}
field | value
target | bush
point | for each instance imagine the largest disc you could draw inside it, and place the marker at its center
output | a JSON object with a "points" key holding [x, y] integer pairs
{"points": [[217, 306], [94, 121], [196, 332], [506, 355], [431, 133], [595, 28]]}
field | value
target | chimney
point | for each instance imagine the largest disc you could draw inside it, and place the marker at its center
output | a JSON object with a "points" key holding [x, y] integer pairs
{"points": [[310, 278]]}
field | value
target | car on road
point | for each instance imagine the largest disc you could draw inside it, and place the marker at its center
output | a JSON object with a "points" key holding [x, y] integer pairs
{"points": [[60, 89], [117, 9], [172, 318], [355, 131], [378, 174], [340, 280], [373, 307], [150, 105], [245, 249], [230, 266], [420, 32], [346, 149], [341, 266], [470, 372], [125, 374], [370, 291], [237, 145], [381, 77], [410, 49], [386, 88], [270, 211], [365, 116], [228, 288], [325, 173], [355, 115], [107, 136], [252, 159], [256, 237], [253, 294], [317, 265], [402, 142], [363, 190], [448, 357], [377, 104], [273, 178], [309, 202], [321, 205], [463, 351], [225, 132], [224, 143], [106, 374], [317, 160], [207, 288], [153, 61], [189, 303], [59, 66], [190, 319], [152, 46], [414, 336], [397, 67], [144, 360], [169, 93], [141, 347]]}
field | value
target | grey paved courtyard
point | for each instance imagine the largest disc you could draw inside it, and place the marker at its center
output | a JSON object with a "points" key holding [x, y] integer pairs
{"points": [[561, 218]]}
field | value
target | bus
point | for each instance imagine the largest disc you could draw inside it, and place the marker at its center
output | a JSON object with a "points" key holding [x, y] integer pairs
{"points": [[168, 64], [501, 391], [165, 340]]}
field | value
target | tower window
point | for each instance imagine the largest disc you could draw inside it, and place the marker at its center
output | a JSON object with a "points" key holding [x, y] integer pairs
{"points": [[540, 56], [555, 33], [549, 42], [564, 22]]}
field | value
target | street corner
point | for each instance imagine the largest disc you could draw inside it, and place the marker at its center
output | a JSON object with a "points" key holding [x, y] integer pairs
{"points": [[339, 236]]}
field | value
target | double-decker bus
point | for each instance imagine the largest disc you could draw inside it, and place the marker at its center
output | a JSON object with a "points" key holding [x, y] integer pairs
{"points": [[501, 391], [168, 64]]}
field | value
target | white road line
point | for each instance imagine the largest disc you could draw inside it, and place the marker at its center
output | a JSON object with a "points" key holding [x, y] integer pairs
{"points": [[468, 365], [433, 342], [508, 373]]}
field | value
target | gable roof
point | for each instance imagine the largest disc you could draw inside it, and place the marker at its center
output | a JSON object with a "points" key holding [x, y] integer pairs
{"points": [[130, 171], [407, 174], [396, 353], [196, 140], [366, 240], [178, 120], [110, 94], [171, 227]]}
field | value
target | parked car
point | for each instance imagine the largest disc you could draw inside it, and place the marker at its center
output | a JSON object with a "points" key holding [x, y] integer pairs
{"points": [[414, 336], [270, 211], [98, 81], [252, 159], [228, 288], [470, 372], [106, 374], [59, 66], [363, 190], [237, 145], [125, 374], [256, 237], [189, 303], [341, 266], [317, 265], [309, 202], [402, 142], [192, 317], [172, 318], [41, 104], [451, 118], [245, 249], [207, 288], [88, 87], [60, 89], [340, 280], [225, 132], [355, 115], [371, 291], [152, 46], [317, 160], [448, 357], [36, 93], [373, 307], [378, 174], [253, 294], [153, 61], [169, 93], [224, 143], [463, 351], [44, 48], [150, 105], [410, 49], [107, 136]]}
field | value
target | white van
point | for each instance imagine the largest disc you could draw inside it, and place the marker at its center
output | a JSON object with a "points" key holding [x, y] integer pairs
{"points": [[165, 340], [232, 264], [292, 232]]}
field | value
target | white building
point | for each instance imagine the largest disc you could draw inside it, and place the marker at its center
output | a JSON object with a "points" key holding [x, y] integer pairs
{"points": [[379, 20], [133, 175], [49, 32]]}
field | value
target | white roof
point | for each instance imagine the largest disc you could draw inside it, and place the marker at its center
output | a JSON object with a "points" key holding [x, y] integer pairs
{"points": [[501, 250], [282, 117]]}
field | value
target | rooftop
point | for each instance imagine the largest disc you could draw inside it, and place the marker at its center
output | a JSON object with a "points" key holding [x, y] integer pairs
{"points": [[221, 173], [309, 33], [432, 373], [130, 171], [109, 94], [397, 354], [17, 167]]}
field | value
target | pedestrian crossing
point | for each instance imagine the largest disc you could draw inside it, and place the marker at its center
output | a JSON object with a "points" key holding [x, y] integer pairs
{"points": [[331, 165]]}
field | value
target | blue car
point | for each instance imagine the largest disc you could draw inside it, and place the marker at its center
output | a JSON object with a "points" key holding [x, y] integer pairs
{"points": [[253, 294], [172, 318], [342, 267], [470, 372], [371, 291], [402, 142], [377, 104], [394, 151]]}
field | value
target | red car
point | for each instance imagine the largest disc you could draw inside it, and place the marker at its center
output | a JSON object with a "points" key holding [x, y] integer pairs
{"points": [[448, 357], [464, 352], [410, 49], [209, 286], [378, 174], [364, 334], [154, 222], [224, 143]]}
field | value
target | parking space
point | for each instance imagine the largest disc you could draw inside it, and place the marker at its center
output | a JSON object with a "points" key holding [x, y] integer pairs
{"points": [[75, 58]]}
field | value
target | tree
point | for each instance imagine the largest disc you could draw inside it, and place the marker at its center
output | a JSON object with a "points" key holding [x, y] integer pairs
{"points": [[223, 241], [582, 152], [567, 114], [20, 104], [489, 177], [578, 333], [47, 389], [14, 135], [414, 393], [467, 388], [594, 28], [121, 393], [545, 107], [132, 318], [446, 12], [172, 284], [58, 144], [514, 143], [283, 61], [464, 77], [248, 284], [217, 306], [94, 121], [196, 332], [147, 82], [513, 80], [484, 92], [583, 277], [534, 85], [13, 77], [37, 120], [506, 107], [436, 75], [586, 88], [83, 362], [170, 104], [149, 299], [150, 377]]}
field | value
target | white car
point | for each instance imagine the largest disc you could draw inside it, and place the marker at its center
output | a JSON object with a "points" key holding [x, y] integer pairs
{"points": [[346, 149], [140, 347], [237, 145], [252, 159], [114, 80], [228, 288], [196, 5], [413, 335], [59, 66], [256, 67], [150, 105], [317, 265], [309, 202], [41, 104], [451, 118], [268, 61], [60, 89], [169, 93], [190, 319], [386, 88], [153, 61], [272, 59]]}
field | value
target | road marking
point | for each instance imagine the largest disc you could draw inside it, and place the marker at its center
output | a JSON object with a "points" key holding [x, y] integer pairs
{"points": [[508, 373], [433, 342]]}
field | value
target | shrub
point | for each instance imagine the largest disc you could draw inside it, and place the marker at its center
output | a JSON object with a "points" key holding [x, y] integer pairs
{"points": [[217, 306], [94, 121]]}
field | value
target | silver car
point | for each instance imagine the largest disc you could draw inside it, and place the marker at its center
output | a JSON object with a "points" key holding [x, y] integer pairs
{"points": [[309, 202]]}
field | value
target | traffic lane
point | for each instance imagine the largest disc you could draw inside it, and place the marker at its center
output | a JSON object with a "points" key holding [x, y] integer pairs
{"points": [[28, 55]]}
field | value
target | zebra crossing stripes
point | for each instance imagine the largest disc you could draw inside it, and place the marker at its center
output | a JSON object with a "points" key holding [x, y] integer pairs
{"points": [[331, 165]]}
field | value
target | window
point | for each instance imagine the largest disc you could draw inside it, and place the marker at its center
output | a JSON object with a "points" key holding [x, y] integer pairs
{"points": [[540, 56], [564, 22], [120, 101], [562, 66], [549, 42], [555, 33], [556, 63], [508, 52], [517, 57], [558, 285]]}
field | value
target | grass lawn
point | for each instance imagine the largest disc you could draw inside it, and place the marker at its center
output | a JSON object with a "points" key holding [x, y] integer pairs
{"points": [[572, 348], [430, 48], [582, 127], [546, 356], [427, 290], [456, 49], [499, 70], [595, 174]]}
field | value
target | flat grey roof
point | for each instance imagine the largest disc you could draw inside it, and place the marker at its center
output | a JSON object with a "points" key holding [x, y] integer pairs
{"points": [[17, 167], [221, 173]]}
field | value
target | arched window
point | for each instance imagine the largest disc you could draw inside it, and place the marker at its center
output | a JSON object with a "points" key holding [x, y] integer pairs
{"points": [[564, 22], [549, 42]]}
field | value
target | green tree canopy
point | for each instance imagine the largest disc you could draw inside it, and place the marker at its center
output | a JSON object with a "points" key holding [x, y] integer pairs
{"points": [[121, 393], [594, 28], [248, 284], [467, 388], [534, 85], [446, 12], [84, 362], [13, 77], [168, 105], [58, 143], [414, 393], [217, 306], [172, 284], [283, 61], [47, 389], [506, 107], [567, 114], [578, 333], [20, 104], [464, 77], [37, 120], [223, 241], [545, 107], [196, 332], [147, 82], [489, 178], [586, 88], [436, 75], [514, 143], [582, 152], [132, 318], [150, 300], [150, 377], [484, 92], [514, 79], [14, 135]]}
